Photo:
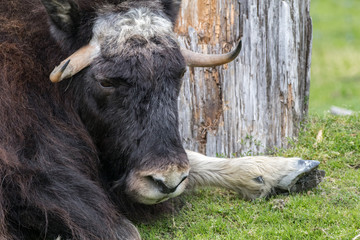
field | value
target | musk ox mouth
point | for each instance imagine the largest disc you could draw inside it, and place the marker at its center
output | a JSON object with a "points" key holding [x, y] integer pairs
{"points": [[152, 187], [150, 201]]}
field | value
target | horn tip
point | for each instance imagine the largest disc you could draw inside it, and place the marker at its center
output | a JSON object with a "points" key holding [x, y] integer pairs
{"points": [[56, 75]]}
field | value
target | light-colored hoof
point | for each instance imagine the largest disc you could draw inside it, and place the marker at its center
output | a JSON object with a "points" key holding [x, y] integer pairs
{"points": [[304, 177]]}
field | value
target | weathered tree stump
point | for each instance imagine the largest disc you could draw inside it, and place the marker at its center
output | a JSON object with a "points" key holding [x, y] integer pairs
{"points": [[258, 101]]}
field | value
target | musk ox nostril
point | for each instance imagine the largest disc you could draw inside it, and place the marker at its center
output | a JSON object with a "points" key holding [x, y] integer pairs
{"points": [[164, 186]]}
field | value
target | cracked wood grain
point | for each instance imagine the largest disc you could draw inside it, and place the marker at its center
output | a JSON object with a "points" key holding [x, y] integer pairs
{"points": [[259, 100]]}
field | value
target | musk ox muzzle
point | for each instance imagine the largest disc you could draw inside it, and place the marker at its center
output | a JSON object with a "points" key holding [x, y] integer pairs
{"points": [[157, 185]]}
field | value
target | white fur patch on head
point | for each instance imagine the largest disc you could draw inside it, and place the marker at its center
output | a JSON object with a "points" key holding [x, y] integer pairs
{"points": [[112, 30]]}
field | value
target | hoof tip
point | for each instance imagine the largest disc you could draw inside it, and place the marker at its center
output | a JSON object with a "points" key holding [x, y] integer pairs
{"points": [[302, 169]]}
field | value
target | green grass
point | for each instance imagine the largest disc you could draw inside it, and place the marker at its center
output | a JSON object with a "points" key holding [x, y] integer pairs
{"points": [[335, 74], [332, 211]]}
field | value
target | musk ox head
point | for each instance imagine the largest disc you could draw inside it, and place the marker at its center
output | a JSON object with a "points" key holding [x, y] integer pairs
{"points": [[126, 68]]}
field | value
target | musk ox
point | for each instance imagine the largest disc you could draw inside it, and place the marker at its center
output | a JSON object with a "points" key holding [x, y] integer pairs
{"points": [[80, 157]]}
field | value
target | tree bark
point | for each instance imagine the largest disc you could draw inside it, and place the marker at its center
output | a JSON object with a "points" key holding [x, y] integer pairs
{"points": [[258, 101]]}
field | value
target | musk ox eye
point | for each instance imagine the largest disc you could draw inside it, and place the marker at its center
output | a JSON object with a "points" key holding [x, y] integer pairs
{"points": [[106, 84], [113, 83]]}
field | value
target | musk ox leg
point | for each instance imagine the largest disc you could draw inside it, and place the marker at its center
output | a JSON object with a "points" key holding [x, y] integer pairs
{"points": [[122, 233], [254, 177], [62, 203]]}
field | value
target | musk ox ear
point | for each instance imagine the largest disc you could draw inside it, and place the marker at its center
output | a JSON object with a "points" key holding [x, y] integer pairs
{"points": [[64, 16], [171, 8]]}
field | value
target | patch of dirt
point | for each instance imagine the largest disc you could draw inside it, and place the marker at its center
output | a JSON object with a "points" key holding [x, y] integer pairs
{"points": [[278, 204]]}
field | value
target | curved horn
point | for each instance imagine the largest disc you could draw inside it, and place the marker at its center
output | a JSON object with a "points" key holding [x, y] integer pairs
{"points": [[75, 63], [194, 59]]}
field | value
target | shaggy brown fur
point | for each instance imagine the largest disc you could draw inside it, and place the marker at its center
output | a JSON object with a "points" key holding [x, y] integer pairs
{"points": [[48, 163], [54, 179]]}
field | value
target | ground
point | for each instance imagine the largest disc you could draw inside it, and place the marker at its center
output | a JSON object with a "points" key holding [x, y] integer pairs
{"points": [[332, 211]]}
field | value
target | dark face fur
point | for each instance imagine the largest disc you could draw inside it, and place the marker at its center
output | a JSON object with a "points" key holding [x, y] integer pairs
{"points": [[127, 98], [132, 111]]}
